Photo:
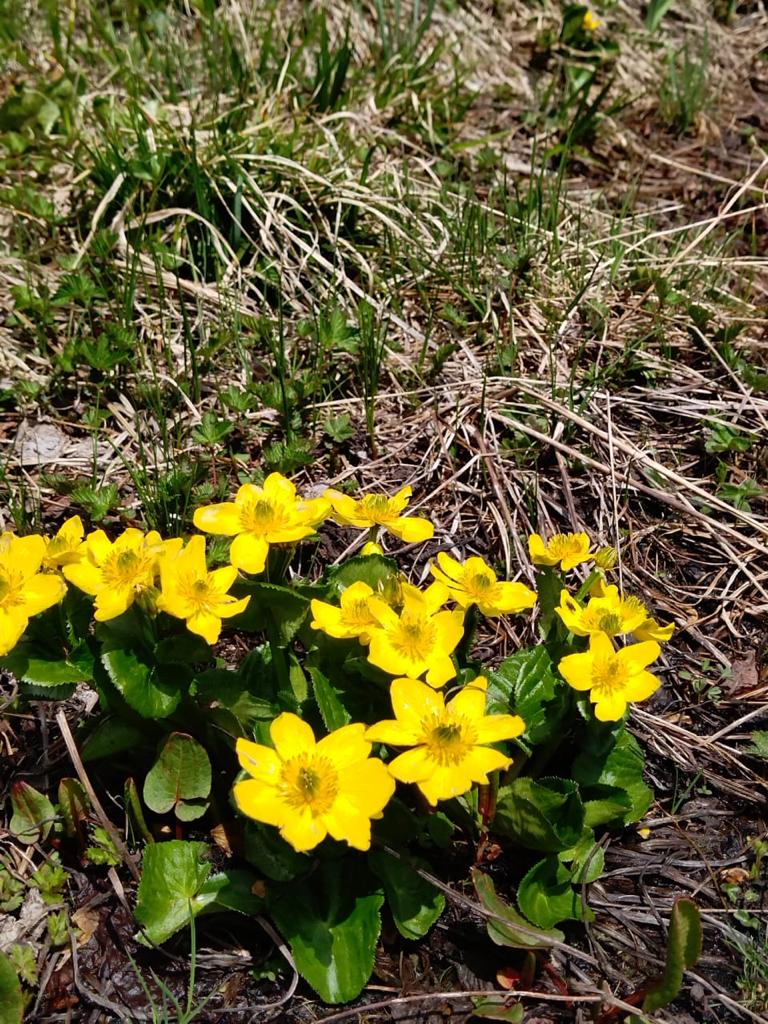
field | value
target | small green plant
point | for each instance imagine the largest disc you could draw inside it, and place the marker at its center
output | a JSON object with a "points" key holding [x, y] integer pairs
{"points": [[685, 92]]}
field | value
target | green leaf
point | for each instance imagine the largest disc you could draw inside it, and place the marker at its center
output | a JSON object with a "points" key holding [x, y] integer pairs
{"points": [[278, 610], [232, 692], [495, 1008], [759, 746], [332, 924], [43, 672], [74, 805], [375, 570], [683, 950], [655, 12], [180, 779], [152, 690], [187, 649], [415, 903], [11, 1002], [526, 684], [268, 851], [518, 933], [547, 815], [612, 757], [586, 859], [110, 737], [546, 897], [171, 890], [329, 704], [33, 814], [234, 891], [608, 806]]}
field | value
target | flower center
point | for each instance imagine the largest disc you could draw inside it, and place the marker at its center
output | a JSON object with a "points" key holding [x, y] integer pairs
{"points": [[197, 591], [309, 781], [10, 591], [376, 508], [480, 586], [262, 516], [448, 737], [127, 569], [414, 638], [609, 675], [357, 613], [562, 545], [610, 623]]}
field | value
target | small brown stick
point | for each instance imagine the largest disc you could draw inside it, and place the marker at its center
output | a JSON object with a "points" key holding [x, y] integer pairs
{"points": [[77, 762]]}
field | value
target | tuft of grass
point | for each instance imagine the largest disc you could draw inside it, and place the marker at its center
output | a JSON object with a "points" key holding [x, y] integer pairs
{"points": [[684, 93]]}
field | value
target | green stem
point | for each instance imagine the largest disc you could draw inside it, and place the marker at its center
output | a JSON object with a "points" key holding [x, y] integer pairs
{"points": [[464, 648], [586, 586]]}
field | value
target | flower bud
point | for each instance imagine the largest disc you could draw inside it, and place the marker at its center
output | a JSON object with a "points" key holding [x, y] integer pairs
{"points": [[606, 558], [372, 548]]}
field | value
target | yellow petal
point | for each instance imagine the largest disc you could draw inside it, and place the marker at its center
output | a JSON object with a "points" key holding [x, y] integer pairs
{"points": [[494, 728], [291, 736], [413, 701], [98, 546], [393, 733], [249, 553], [25, 554], [327, 617], [260, 802], [412, 766], [111, 602], [610, 708], [222, 519], [383, 655], [470, 701], [650, 629], [638, 656], [576, 669], [13, 622], [345, 746], [399, 501], [368, 788], [435, 596], [411, 529], [440, 670], [206, 625], [346, 824], [641, 686], [538, 551], [279, 487], [481, 760], [512, 598], [303, 831], [228, 607], [41, 592], [570, 611], [222, 579], [258, 760]]}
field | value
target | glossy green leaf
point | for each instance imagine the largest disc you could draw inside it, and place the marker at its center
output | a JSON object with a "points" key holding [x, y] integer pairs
{"points": [[272, 608], [331, 922], [33, 813], [683, 950], [527, 684], [547, 897], [328, 700], [414, 902], [42, 671], [74, 806], [11, 1001], [375, 570], [608, 806], [265, 848], [495, 1008], [612, 757], [171, 890], [507, 927], [547, 815], [152, 690], [586, 860], [180, 778], [111, 736]]}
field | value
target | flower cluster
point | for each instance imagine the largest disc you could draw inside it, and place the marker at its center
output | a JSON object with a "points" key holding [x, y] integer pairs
{"points": [[442, 744]]}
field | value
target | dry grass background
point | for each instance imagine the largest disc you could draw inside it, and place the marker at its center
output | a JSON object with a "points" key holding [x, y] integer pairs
{"points": [[546, 364]]}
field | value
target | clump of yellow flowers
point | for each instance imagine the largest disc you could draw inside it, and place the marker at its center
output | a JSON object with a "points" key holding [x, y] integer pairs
{"points": [[442, 743]]}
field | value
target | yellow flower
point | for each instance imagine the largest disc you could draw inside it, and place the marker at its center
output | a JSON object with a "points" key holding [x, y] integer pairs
{"points": [[310, 789], [381, 510], [567, 549], [448, 741], [614, 678], [353, 618], [610, 613], [24, 590], [474, 582], [65, 546], [371, 548], [118, 572], [647, 629], [591, 22], [420, 639], [260, 516], [189, 591]]}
